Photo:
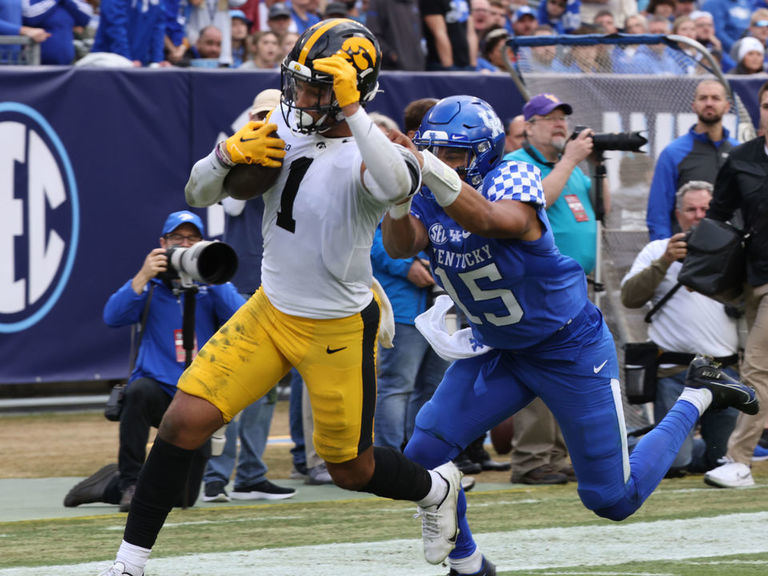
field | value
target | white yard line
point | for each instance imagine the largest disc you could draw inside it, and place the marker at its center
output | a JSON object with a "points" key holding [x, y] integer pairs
{"points": [[599, 545]]}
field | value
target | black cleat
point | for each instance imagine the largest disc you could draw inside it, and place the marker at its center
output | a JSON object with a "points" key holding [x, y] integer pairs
{"points": [[703, 372], [92, 488], [488, 569]]}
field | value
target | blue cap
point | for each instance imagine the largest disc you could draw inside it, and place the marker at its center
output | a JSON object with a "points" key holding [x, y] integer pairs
{"points": [[240, 15], [523, 11], [543, 104], [176, 219]]}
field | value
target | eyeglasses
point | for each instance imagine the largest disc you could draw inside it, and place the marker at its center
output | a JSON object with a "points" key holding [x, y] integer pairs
{"points": [[179, 238], [551, 119], [761, 24]]}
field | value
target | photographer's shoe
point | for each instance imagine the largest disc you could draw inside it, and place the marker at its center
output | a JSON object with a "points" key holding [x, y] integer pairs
{"points": [[92, 488], [264, 490], [703, 372]]}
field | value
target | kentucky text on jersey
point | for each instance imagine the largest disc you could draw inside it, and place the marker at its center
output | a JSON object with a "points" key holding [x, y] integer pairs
{"points": [[460, 260]]}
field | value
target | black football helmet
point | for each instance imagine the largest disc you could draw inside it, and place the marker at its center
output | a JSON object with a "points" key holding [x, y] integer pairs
{"points": [[326, 38]]}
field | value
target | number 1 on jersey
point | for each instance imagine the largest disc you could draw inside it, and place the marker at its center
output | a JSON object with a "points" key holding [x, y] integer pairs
{"points": [[296, 173]]}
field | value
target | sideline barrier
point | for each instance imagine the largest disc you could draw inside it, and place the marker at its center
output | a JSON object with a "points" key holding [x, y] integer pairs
{"points": [[91, 163]]}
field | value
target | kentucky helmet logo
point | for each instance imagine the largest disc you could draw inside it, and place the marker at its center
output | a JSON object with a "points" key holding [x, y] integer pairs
{"points": [[360, 52]]}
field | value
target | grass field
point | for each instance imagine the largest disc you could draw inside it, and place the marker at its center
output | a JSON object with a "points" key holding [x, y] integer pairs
{"points": [[684, 529]]}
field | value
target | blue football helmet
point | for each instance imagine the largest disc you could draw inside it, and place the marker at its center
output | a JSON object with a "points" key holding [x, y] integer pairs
{"points": [[464, 122]]}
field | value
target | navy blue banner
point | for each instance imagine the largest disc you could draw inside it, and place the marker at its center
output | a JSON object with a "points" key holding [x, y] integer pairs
{"points": [[91, 163]]}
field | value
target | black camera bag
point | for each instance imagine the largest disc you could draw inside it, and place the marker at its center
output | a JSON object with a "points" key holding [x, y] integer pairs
{"points": [[715, 265]]}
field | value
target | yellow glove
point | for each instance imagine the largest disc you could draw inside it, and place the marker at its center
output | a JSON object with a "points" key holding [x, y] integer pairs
{"points": [[344, 78], [253, 144]]}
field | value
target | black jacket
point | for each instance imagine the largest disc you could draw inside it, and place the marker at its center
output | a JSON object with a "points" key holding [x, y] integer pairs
{"points": [[742, 183]]}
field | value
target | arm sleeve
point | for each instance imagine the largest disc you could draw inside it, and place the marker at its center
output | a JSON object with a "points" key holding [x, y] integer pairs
{"points": [[124, 307], [661, 198], [388, 175], [114, 21], [80, 11], [205, 186], [639, 287]]}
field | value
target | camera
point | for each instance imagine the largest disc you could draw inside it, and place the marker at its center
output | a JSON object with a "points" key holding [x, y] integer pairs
{"points": [[208, 262], [625, 141]]}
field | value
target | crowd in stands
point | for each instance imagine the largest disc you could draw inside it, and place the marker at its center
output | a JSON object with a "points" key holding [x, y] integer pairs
{"points": [[468, 35]]}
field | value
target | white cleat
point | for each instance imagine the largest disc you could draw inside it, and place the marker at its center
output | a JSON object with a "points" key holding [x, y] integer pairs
{"points": [[117, 569], [439, 523], [730, 475]]}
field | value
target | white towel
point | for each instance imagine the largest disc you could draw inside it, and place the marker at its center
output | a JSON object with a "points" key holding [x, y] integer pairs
{"points": [[460, 344], [387, 322]]}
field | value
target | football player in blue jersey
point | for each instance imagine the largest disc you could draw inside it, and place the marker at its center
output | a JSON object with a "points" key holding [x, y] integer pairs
{"points": [[533, 330]]}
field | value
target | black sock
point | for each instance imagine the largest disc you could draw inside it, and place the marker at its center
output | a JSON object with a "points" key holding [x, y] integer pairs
{"points": [[397, 477], [162, 479]]}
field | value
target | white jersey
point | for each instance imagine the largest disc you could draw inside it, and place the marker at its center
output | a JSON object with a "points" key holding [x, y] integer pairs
{"points": [[688, 322], [318, 228]]}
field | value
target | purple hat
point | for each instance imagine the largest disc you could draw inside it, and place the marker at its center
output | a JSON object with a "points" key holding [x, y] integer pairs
{"points": [[543, 104], [176, 219], [523, 11]]}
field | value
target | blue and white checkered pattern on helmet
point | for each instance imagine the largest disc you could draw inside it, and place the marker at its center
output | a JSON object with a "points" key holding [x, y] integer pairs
{"points": [[517, 181]]}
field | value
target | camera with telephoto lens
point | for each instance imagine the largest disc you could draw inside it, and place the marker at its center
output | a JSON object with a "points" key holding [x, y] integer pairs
{"points": [[625, 141], [207, 262]]}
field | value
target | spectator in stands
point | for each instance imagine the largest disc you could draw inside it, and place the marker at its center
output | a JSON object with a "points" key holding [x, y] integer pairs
{"points": [[686, 324], [705, 35], [684, 26], [242, 231], [606, 21], [524, 22], [731, 19], [662, 9], [279, 20], [684, 8], [540, 58], [515, 134], [750, 57], [11, 25], [264, 51], [696, 155], [563, 15], [287, 42], [206, 13], [206, 51], [335, 10], [59, 19], [138, 35], [240, 25], [661, 59], [538, 448], [619, 9], [303, 15], [483, 19], [588, 59], [494, 47], [741, 185], [450, 37], [397, 25], [758, 28], [160, 361]]}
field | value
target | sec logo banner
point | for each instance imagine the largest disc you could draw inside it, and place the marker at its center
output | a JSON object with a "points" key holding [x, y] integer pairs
{"points": [[39, 217]]}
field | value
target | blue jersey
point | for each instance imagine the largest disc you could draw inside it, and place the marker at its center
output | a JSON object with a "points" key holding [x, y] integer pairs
{"points": [[515, 294]]}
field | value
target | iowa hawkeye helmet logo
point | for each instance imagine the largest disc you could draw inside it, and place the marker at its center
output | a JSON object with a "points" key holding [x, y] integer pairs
{"points": [[360, 52]]}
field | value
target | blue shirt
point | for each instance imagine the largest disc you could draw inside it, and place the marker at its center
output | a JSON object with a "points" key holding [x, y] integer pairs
{"points": [[575, 234], [157, 358], [58, 18], [514, 294], [243, 233], [135, 30]]}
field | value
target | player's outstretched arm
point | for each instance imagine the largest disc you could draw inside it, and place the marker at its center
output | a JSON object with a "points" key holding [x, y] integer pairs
{"points": [[386, 174]]}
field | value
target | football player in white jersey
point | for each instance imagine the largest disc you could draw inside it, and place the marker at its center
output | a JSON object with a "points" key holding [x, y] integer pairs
{"points": [[315, 310]]}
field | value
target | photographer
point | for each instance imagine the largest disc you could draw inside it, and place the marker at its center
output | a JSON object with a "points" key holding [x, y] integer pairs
{"points": [[685, 324], [157, 300]]}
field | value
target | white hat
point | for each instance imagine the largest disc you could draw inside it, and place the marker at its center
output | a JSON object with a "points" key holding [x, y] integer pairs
{"points": [[696, 14], [749, 44], [265, 101]]}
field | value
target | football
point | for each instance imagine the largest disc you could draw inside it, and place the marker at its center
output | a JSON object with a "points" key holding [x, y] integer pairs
{"points": [[246, 181], [501, 436]]}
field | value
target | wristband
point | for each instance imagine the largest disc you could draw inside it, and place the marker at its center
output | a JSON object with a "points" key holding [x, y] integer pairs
{"points": [[441, 179], [222, 155], [400, 210]]}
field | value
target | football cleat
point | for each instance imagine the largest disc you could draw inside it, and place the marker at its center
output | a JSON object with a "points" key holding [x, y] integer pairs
{"points": [[117, 569], [488, 569], [92, 488], [730, 474], [703, 372], [439, 523]]}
